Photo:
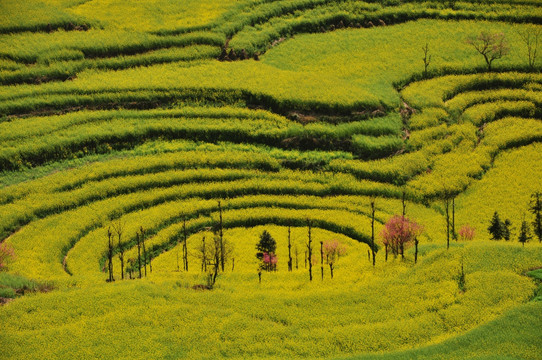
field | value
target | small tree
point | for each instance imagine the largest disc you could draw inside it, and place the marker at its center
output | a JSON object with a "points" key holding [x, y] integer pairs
{"points": [[322, 259], [496, 227], [426, 59], [118, 228], [373, 200], [507, 226], [466, 232], [333, 249], [535, 207], [492, 46], [398, 233], [202, 255], [531, 35], [138, 238], [185, 248], [266, 245], [216, 250], [524, 233], [309, 249], [221, 234], [110, 249], [6, 255], [289, 249], [142, 231]]}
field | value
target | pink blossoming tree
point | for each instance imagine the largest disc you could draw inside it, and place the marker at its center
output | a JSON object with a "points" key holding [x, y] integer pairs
{"points": [[333, 249], [398, 233]]}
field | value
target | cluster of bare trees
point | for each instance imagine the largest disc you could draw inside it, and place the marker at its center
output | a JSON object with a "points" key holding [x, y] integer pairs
{"points": [[115, 244], [494, 46]]}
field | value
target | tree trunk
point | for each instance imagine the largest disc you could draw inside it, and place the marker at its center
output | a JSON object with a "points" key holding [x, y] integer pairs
{"points": [[222, 260], [289, 250], [322, 259], [110, 256], [139, 254], [144, 251], [373, 229], [121, 258], [331, 269], [403, 202], [454, 235], [203, 256], [310, 252], [416, 251], [185, 249], [386, 246], [447, 222]]}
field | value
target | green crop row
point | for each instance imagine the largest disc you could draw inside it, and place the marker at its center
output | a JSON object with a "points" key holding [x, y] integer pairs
{"points": [[46, 48], [487, 112], [94, 134], [65, 69], [174, 184], [32, 15], [436, 92], [259, 37], [464, 100]]}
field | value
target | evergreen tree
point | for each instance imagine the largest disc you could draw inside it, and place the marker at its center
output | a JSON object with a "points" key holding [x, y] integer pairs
{"points": [[506, 229], [266, 245], [496, 227], [536, 209], [525, 233]]}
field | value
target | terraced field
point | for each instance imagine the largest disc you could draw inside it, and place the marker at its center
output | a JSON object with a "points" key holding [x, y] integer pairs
{"points": [[261, 115]]}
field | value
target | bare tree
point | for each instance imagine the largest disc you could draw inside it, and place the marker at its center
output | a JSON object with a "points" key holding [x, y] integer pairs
{"points": [[373, 200], [221, 233], [296, 251], [492, 46], [531, 35], [426, 59], [144, 249], [454, 233], [185, 249], [216, 251], [289, 249], [202, 254], [309, 249], [110, 248], [447, 214], [118, 228], [322, 259], [138, 238]]}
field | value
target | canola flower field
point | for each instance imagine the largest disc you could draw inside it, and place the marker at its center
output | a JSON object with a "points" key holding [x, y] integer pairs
{"points": [[191, 119]]}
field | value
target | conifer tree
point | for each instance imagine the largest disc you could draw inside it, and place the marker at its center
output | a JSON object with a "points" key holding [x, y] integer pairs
{"points": [[506, 229], [536, 209], [266, 245], [496, 227], [524, 233]]}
